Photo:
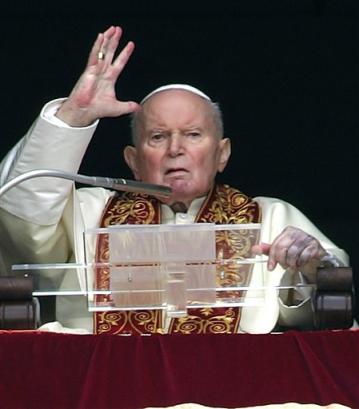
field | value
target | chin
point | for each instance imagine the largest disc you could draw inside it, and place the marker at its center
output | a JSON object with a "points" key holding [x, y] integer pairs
{"points": [[183, 191]]}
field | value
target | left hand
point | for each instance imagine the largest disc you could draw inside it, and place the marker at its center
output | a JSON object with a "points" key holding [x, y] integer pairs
{"points": [[293, 249]]}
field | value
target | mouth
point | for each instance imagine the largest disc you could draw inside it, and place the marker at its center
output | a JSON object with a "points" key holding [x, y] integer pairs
{"points": [[176, 172]]}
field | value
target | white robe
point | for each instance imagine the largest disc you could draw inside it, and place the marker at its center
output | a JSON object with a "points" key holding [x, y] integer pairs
{"points": [[42, 221]]}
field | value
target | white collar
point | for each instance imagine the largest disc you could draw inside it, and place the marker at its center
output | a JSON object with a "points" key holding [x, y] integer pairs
{"points": [[168, 215]]}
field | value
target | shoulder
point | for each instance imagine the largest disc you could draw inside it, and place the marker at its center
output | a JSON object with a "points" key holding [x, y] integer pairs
{"points": [[91, 203], [95, 194], [266, 202], [279, 208]]}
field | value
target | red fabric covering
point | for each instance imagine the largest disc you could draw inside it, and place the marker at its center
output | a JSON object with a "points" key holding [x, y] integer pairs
{"points": [[46, 370]]}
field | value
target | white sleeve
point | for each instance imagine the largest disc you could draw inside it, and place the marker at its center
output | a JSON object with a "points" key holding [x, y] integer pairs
{"points": [[49, 144], [31, 222]]}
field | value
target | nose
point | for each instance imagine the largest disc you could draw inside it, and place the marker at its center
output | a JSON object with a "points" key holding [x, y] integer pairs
{"points": [[175, 145]]}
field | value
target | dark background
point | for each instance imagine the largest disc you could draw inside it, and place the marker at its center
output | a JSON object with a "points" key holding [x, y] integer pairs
{"points": [[284, 72]]}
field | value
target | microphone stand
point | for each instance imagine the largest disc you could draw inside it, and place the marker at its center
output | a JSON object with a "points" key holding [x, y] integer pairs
{"points": [[18, 308], [109, 183]]}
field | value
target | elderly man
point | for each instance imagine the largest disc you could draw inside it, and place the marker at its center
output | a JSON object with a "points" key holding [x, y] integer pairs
{"points": [[178, 142]]}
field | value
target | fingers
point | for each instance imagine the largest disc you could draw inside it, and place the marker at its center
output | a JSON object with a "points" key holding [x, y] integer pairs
{"points": [[122, 59], [278, 254], [279, 249], [262, 248], [93, 56], [111, 40], [107, 44], [313, 252], [303, 248], [294, 249]]}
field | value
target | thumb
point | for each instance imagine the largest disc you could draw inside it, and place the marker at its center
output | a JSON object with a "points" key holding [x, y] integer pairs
{"points": [[123, 108], [262, 248]]}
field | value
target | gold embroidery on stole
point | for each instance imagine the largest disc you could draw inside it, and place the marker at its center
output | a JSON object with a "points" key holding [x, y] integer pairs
{"points": [[224, 205], [128, 208]]}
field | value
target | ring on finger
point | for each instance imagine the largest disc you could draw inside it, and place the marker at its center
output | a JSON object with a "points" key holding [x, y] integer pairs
{"points": [[101, 55]]}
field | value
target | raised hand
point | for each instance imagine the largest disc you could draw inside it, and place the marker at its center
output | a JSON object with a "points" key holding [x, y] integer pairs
{"points": [[94, 96]]}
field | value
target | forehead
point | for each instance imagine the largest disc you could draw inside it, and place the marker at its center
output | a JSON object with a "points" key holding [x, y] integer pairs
{"points": [[175, 108]]}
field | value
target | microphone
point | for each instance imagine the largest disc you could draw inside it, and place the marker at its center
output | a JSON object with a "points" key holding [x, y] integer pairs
{"points": [[109, 183]]}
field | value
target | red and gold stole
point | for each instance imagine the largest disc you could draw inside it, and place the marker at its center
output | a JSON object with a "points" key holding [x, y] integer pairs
{"points": [[224, 205]]}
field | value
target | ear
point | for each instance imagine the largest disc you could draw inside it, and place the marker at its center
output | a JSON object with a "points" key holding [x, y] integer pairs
{"points": [[224, 153], [130, 155]]}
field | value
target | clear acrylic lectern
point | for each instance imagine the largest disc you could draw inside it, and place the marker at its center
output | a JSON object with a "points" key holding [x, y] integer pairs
{"points": [[168, 267]]}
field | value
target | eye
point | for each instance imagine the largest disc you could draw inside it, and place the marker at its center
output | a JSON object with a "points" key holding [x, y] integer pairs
{"points": [[193, 134], [157, 137]]}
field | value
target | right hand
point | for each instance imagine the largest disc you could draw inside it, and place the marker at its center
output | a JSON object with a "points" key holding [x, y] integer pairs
{"points": [[94, 95]]}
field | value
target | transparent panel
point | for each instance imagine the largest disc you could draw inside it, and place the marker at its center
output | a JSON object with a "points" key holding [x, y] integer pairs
{"points": [[54, 279], [168, 267]]}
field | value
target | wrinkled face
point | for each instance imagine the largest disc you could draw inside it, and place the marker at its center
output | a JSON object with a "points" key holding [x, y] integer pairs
{"points": [[178, 145]]}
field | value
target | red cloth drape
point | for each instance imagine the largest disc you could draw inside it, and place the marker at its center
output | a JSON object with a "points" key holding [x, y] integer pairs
{"points": [[47, 370]]}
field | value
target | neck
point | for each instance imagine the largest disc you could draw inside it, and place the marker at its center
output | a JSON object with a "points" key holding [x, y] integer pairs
{"points": [[179, 207]]}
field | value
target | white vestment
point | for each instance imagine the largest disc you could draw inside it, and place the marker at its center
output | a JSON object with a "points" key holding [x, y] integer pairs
{"points": [[42, 221]]}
